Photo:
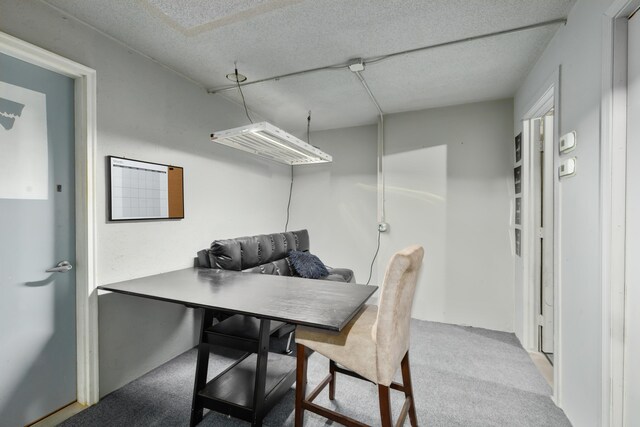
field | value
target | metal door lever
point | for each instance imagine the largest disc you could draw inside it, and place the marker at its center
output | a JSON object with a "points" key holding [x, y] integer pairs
{"points": [[62, 267]]}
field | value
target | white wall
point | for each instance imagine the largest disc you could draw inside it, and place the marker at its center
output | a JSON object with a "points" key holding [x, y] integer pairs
{"points": [[448, 178], [149, 113], [576, 49]]}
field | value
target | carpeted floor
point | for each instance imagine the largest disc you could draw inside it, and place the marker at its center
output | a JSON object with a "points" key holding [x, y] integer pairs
{"points": [[462, 376]]}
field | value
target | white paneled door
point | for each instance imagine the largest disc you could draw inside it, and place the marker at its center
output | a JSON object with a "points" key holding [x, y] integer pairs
{"points": [[37, 242]]}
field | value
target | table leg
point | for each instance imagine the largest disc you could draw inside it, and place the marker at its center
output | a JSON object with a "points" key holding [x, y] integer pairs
{"points": [[261, 373], [202, 367]]}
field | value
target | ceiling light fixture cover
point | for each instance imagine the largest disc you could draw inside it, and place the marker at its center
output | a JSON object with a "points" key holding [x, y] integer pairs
{"points": [[265, 140]]}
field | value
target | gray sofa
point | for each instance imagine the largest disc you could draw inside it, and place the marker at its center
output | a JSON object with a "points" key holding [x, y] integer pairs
{"points": [[262, 254]]}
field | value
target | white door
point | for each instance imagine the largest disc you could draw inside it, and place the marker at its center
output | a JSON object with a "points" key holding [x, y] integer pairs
{"points": [[37, 308], [546, 236], [632, 309]]}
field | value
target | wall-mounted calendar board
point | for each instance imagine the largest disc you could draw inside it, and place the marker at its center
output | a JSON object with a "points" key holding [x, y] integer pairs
{"points": [[143, 190]]}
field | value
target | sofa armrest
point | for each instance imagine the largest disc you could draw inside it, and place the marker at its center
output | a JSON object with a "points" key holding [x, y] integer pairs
{"points": [[203, 259], [341, 275]]}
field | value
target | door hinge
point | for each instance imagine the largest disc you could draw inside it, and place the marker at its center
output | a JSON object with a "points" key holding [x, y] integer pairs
{"points": [[541, 232], [540, 319], [541, 146]]}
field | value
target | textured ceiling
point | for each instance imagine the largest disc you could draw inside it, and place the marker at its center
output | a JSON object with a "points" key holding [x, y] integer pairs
{"points": [[201, 39]]}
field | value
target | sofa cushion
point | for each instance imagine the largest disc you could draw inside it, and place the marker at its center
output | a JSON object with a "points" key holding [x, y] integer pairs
{"points": [[308, 265], [226, 255], [281, 267]]}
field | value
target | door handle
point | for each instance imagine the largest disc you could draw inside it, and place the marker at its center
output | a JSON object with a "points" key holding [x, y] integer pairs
{"points": [[62, 267]]}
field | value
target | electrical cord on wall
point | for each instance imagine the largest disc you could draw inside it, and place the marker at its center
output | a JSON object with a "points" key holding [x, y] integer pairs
{"points": [[289, 202], [291, 186], [374, 258], [244, 103], [382, 226]]}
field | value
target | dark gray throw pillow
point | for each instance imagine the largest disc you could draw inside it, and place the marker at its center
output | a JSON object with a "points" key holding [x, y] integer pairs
{"points": [[308, 265]]}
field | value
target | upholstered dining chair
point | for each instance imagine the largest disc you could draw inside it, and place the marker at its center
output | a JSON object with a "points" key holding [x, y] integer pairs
{"points": [[373, 345]]}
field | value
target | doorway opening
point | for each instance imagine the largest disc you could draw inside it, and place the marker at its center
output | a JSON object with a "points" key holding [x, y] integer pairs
{"points": [[540, 245]]}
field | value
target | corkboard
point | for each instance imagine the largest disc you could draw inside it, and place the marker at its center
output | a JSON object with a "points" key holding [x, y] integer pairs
{"points": [[176, 193]]}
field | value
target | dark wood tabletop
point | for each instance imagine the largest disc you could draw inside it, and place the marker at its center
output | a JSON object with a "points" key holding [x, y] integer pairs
{"points": [[317, 303]]}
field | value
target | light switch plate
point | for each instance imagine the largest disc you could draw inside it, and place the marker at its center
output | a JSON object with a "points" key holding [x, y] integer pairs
{"points": [[567, 167], [567, 142]]}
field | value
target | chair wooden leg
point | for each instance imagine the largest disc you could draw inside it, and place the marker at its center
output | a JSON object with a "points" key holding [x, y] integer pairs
{"points": [[408, 389], [385, 406], [332, 384], [301, 383]]}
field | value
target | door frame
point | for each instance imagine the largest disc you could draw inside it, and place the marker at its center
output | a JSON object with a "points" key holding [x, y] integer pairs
{"points": [[546, 98], [613, 182], [85, 209]]}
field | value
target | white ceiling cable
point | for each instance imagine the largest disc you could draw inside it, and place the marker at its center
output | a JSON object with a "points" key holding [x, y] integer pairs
{"points": [[374, 60], [381, 195]]}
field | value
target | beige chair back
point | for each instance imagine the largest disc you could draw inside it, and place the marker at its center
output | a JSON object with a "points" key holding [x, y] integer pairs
{"points": [[392, 327]]}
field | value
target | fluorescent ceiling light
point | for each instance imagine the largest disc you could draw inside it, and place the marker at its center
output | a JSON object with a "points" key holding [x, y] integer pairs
{"points": [[265, 140]]}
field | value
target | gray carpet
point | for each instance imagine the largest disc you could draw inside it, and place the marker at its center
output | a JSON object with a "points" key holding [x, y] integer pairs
{"points": [[462, 376]]}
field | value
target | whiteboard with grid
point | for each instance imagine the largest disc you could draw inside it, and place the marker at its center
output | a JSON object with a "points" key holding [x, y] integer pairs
{"points": [[139, 190]]}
